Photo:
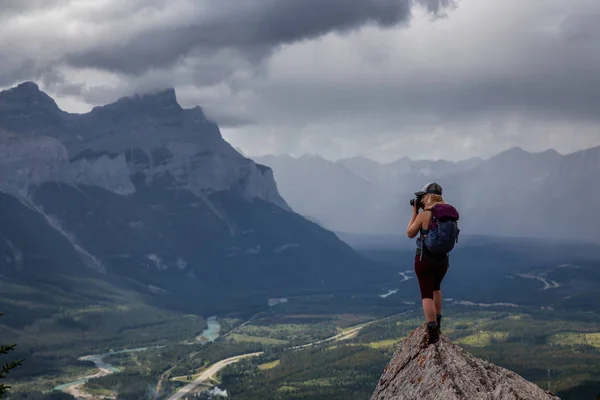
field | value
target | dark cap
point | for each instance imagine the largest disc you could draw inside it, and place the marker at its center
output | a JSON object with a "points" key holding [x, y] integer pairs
{"points": [[430, 188]]}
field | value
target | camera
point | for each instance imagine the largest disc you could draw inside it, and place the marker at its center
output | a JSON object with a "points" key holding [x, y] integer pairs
{"points": [[417, 201]]}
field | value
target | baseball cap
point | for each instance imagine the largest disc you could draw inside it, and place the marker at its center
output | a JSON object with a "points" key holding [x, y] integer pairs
{"points": [[432, 188]]}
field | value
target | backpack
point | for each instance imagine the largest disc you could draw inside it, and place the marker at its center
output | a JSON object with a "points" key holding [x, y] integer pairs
{"points": [[443, 229]]}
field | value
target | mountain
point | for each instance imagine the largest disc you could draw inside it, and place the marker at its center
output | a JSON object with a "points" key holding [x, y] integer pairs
{"points": [[148, 135], [518, 193], [147, 196], [330, 192], [444, 371], [354, 195], [515, 193], [397, 172]]}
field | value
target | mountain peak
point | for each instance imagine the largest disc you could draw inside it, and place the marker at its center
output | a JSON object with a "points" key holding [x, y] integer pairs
{"points": [[518, 154], [552, 152], [28, 87], [514, 150], [444, 371], [164, 98], [156, 104], [401, 161], [311, 157], [27, 95], [359, 160]]}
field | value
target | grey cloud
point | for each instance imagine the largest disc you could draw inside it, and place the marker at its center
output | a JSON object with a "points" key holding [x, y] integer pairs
{"points": [[578, 28], [138, 37], [438, 7], [13, 71], [55, 82], [253, 28], [532, 82], [12, 7], [226, 120], [545, 94], [179, 42]]}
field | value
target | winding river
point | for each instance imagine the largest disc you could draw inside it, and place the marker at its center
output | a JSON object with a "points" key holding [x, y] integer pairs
{"points": [[211, 333]]}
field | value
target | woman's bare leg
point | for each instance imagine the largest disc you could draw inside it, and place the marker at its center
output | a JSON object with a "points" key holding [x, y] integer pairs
{"points": [[429, 309], [437, 299]]}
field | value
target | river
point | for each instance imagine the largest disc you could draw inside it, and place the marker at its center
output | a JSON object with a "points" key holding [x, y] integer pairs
{"points": [[218, 366], [213, 331], [103, 366], [210, 334], [389, 293]]}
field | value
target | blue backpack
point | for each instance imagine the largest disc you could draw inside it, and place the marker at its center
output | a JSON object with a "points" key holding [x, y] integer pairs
{"points": [[443, 230]]}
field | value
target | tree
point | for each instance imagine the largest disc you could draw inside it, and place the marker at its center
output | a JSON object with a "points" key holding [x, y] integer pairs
{"points": [[7, 366]]}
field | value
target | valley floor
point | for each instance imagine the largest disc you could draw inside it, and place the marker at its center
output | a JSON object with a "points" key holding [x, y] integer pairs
{"points": [[265, 358], [540, 320]]}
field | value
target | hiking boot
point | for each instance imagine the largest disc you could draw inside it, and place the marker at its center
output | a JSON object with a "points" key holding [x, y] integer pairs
{"points": [[438, 317], [434, 332]]}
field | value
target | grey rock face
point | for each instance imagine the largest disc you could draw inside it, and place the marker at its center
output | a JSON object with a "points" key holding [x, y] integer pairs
{"points": [[28, 160], [444, 371], [149, 135]]}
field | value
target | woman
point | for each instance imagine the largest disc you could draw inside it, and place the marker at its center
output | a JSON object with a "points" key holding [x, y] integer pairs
{"points": [[430, 267]]}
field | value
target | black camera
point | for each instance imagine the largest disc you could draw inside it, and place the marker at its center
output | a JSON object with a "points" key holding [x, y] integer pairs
{"points": [[417, 201]]}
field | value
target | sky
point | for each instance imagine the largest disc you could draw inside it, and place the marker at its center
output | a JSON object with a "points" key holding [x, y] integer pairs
{"points": [[384, 79]]}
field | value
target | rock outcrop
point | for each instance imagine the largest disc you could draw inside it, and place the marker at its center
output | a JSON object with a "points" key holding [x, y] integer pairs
{"points": [[444, 371]]}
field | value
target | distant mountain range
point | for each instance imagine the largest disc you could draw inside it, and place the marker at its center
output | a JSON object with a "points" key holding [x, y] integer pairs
{"points": [[148, 196], [515, 193]]}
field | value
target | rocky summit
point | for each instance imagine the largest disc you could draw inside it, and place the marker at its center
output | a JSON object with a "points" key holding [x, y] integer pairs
{"points": [[444, 371]]}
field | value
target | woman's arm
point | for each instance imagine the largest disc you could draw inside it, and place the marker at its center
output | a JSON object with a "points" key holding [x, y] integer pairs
{"points": [[415, 223]]}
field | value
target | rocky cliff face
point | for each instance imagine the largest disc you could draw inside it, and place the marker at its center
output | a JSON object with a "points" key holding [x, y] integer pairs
{"points": [[146, 134], [28, 160], [444, 371]]}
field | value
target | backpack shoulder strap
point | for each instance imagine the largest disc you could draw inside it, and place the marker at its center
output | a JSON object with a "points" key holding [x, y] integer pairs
{"points": [[433, 213], [433, 222]]}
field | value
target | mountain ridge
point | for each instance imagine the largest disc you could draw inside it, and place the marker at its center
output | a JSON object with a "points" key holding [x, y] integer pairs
{"points": [[520, 186], [139, 124]]}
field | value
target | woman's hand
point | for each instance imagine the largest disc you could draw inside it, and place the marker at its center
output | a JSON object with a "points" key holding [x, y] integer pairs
{"points": [[416, 208]]}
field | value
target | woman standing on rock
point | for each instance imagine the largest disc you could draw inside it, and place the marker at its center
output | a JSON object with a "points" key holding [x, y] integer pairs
{"points": [[438, 232]]}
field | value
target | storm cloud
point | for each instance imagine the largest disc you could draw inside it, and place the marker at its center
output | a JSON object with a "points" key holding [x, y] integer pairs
{"points": [[381, 78], [251, 27], [136, 36]]}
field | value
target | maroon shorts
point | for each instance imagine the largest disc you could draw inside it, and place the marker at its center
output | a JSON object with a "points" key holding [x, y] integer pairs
{"points": [[430, 271]]}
